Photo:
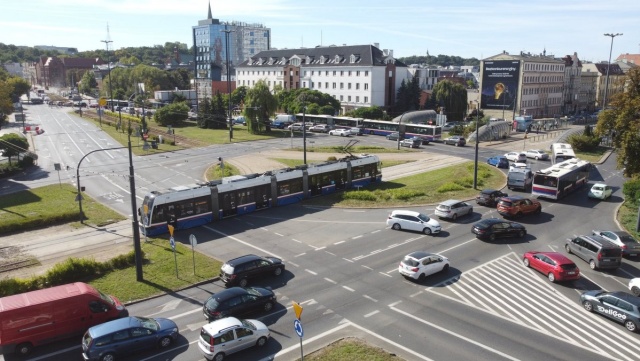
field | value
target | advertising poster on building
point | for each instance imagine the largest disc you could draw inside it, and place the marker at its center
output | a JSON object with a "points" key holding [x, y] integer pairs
{"points": [[500, 84]]}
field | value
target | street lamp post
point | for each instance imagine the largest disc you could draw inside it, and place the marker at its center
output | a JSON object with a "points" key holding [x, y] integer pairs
{"points": [[226, 34], [606, 87], [475, 165], [106, 42], [304, 132]]}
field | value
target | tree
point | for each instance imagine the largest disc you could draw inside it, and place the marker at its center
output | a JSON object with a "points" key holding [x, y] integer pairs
{"points": [[12, 145], [18, 87], [453, 97], [260, 104], [88, 83], [172, 114], [374, 112], [205, 114], [219, 112]]}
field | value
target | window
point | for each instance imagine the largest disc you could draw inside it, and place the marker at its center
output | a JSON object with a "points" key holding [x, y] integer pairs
{"points": [[225, 337], [366, 99], [366, 73], [366, 86], [357, 86], [334, 85], [348, 85], [341, 98], [334, 73], [357, 99], [341, 73], [349, 72], [349, 98], [242, 332], [341, 85], [358, 73]]}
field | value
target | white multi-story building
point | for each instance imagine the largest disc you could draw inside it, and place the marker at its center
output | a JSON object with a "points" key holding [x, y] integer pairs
{"points": [[616, 80], [357, 76], [210, 38], [427, 76]]}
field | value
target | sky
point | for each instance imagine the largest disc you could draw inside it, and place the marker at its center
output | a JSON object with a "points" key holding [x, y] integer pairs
{"points": [[465, 28]]}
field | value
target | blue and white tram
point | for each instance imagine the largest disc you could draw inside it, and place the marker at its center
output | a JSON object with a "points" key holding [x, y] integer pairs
{"points": [[199, 204]]}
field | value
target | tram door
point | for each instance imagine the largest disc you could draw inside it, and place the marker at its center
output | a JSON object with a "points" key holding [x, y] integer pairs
{"points": [[229, 204], [263, 196], [315, 188]]}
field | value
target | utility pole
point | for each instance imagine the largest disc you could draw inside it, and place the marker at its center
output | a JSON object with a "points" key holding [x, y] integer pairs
{"points": [[107, 42], [230, 120]]}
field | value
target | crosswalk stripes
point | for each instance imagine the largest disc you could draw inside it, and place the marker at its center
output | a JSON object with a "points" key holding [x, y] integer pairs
{"points": [[507, 289]]}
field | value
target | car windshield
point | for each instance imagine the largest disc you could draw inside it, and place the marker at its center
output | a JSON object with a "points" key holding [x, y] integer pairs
{"points": [[423, 217], [248, 324], [106, 298], [597, 188], [626, 238], [253, 291], [149, 323], [410, 262]]}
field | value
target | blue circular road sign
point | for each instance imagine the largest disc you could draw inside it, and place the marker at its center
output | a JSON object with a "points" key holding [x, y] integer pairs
{"points": [[298, 327]]}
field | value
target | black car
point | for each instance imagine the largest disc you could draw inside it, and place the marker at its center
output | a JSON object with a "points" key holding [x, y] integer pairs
{"points": [[493, 228], [239, 271], [238, 301], [490, 197], [618, 306]]}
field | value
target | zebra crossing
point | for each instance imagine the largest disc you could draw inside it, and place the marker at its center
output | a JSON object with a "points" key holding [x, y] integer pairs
{"points": [[506, 288]]}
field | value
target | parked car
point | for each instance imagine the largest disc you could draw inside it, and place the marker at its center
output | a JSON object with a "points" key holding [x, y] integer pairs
{"points": [[516, 206], [498, 161], [239, 271], [453, 209], [413, 221], [237, 301], [456, 140], [356, 131], [490, 197], [600, 191], [411, 142], [122, 337], [229, 335], [492, 228], [629, 245], [516, 157], [394, 136], [595, 250], [38, 317], [341, 132], [419, 265], [537, 154], [634, 286], [618, 306], [450, 125], [320, 128], [556, 266]]}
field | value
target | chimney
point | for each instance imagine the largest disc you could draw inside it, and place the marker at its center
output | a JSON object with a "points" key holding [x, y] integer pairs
{"points": [[377, 45], [391, 53]]}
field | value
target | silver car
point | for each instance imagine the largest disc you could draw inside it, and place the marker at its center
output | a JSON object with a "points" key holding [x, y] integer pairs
{"points": [[413, 221], [230, 335], [537, 154], [453, 209], [630, 246]]}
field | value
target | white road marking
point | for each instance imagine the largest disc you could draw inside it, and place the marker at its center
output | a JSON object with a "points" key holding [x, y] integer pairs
{"points": [[319, 248], [330, 253], [371, 314], [384, 274], [241, 241], [331, 281], [293, 264], [348, 288], [367, 267], [370, 298], [278, 234], [295, 240], [301, 254], [339, 242], [356, 237], [310, 271], [348, 260]]}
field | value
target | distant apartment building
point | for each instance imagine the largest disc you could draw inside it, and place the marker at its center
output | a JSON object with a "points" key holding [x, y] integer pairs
{"points": [[427, 76], [14, 69], [572, 84], [210, 43], [357, 76], [615, 84], [588, 88], [59, 72], [523, 84], [629, 58]]}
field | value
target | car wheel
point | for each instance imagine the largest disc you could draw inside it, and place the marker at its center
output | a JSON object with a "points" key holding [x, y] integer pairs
{"points": [[456, 144], [635, 290], [426, 231], [521, 234], [108, 357], [396, 226], [526, 262], [261, 341], [592, 264], [551, 277], [587, 306], [537, 158], [219, 357], [243, 282], [470, 211], [630, 325], [492, 237], [278, 271], [539, 210], [268, 306], [24, 349], [454, 217], [445, 269], [165, 342], [567, 248], [421, 277]]}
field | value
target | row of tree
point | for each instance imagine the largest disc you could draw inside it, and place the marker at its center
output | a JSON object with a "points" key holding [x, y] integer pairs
{"points": [[442, 60], [11, 89]]}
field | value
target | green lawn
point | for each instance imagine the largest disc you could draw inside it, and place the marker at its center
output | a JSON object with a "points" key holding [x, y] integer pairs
{"points": [[292, 163], [593, 156], [351, 349]]}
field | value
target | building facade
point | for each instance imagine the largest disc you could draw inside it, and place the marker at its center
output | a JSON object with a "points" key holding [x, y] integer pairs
{"points": [[588, 89], [524, 84], [213, 38], [427, 76], [357, 76], [572, 84], [615, 83]]}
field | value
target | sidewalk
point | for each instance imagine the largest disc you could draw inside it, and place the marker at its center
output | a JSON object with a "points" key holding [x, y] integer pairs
{"points": [[56, 244]]}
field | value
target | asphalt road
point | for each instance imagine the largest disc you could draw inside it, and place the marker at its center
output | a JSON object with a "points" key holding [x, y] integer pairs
{"points": [[342, 268]]}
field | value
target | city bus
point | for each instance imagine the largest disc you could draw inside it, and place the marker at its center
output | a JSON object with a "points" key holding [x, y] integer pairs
{"points": [[560, 179], [561, 152], [380, 127], [521, 124]]}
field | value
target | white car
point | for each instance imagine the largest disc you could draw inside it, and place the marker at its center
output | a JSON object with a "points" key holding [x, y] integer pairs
{"points": [[341, 132], [419, 265], [537, 154], [413, 221], [516, 157], [453, 208], [600, 191], [226, 336], [519, 165], [634, 286]]}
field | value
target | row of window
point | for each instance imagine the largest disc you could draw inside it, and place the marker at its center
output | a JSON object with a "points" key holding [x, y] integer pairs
{"points": [[543, 67], [334, 85], [543, 79], [543, 90], [537, 102], [335, 72], [282, 72]]}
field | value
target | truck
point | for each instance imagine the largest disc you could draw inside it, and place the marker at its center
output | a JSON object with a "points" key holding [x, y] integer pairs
{"points": [[520, 178], [38, 317]]}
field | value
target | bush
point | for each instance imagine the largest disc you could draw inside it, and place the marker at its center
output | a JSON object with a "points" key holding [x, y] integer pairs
{"points": [[360, 195], [584, 143], [405, 194], [466, 182], [631, 191], [449, 187]]}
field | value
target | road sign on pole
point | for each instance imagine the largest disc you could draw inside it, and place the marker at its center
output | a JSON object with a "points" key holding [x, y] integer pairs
{"points": [[297, 309], [171, 228], [175, 258], [194, 242], [297, 325]]}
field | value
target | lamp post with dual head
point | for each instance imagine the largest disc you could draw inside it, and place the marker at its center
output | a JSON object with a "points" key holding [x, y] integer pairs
{"points": [[475, 164], [230, 120], [606, 87]]}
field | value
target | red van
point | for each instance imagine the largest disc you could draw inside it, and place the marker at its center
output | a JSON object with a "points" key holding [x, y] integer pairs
{"points": [[38, 317]]}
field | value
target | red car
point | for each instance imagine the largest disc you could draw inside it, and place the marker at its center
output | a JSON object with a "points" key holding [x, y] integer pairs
{"points": [[555, 265]]}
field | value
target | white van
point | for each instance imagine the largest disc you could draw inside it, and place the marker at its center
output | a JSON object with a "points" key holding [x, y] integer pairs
{"points": [[520, 178]]}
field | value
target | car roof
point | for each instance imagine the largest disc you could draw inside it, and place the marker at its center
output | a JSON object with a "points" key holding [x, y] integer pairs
{"points": [[599, 239], [450, 202], [488, 191], [243, 259], [511, 198], [419, 254], [489, 221], [600, 184], [634, 300], [408, 213], [221, 324], [229, 293], [113, 326], [556, 256]]}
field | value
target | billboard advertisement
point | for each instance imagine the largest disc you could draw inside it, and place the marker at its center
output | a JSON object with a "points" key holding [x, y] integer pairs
{"points": [[500, 84]]}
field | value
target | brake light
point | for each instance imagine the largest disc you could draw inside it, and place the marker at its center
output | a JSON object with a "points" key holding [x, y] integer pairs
{"points": [[211, 341], [414, 269], [624, 246], [232, 277], [599, 256]]}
